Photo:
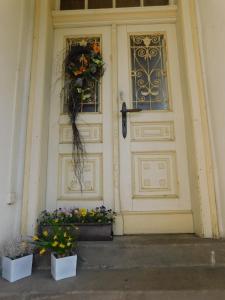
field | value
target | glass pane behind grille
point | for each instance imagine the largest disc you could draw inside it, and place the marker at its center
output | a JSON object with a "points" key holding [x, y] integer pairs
{"points": [[148, 72], [92, 105]]}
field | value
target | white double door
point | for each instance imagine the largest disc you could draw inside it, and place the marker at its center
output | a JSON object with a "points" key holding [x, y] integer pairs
{"points": [[150, 163]]}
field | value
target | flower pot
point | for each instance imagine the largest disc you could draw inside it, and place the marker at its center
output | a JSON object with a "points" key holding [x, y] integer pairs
{"points": [[87, 231], [15, 269], [95, 232], [63, 267]]}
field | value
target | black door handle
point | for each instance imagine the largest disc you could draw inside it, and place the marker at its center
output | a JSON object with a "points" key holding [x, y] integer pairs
{"points": [[124, 112]]}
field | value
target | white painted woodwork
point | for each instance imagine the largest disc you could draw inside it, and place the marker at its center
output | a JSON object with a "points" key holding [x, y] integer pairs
{"points": [[96, 129], [153, 158], [126, 15], [152, 163], [199, 156]]}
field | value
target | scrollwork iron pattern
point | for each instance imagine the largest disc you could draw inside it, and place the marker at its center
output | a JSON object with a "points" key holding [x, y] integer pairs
{"points": [[92, 105], [148, 72]]}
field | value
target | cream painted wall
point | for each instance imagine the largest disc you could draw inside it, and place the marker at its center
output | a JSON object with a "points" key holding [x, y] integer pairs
{"points": [[16, 19], [38, 118], [211, 15]]}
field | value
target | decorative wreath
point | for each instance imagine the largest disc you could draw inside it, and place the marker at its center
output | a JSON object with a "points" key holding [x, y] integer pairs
{"points": [[84, 67]]}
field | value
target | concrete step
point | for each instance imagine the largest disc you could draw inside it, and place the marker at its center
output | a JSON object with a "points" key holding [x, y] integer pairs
{"points": [[147, 251], [200, 283], [174, 267]]}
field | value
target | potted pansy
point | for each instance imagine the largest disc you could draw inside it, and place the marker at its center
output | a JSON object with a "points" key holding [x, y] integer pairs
{"points": [[62, 245], [94, 224], [17, 258]]}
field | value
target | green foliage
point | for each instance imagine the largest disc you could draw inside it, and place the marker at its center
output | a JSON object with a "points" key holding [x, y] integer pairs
{"points": [[58, 239], [100, 215]]}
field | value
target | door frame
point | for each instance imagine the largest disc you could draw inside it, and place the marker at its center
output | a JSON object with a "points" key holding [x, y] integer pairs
{"points": [[204, 210]]}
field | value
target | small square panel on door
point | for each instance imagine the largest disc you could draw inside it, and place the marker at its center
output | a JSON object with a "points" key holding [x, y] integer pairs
{"points": [[69, 187], [154, 175]]}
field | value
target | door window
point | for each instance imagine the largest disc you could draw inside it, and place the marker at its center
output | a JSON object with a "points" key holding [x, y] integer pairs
{"points": [[93, 104], [148, 71]]}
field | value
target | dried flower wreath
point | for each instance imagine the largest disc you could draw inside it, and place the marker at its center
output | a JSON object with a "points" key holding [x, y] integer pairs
{"points": [[83, 66]]}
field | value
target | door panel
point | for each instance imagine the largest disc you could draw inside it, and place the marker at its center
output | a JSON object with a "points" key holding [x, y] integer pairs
{"points": [[95, 125], [153, 159]]}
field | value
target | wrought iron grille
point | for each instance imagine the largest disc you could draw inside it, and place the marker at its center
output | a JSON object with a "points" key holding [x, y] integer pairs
{"points": [[148, 71]]}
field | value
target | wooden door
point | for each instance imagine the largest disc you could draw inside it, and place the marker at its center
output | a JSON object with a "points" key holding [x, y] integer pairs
{"points": [[154, 182], [154, 179], [95, 125]]}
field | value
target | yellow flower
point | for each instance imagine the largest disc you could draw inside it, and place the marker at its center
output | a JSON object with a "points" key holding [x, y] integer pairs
{"points": [[83, 212], [68, 244], [56, 220], [35, 238], [65, 234], [62, 245], [45, 233], [54, 244], [55, 237], [42, 251], [92, 213]]}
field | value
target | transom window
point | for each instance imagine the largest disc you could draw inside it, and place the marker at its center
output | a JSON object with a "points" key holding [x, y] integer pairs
{"points": [[95, 4]]}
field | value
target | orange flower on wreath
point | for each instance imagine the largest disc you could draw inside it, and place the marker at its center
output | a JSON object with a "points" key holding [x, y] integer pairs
{"points": [[80, 71], [96, 48]]}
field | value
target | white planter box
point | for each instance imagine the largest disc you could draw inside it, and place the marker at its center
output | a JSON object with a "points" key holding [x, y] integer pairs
{"points": [[63, 267], [14, 269]]}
